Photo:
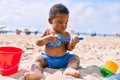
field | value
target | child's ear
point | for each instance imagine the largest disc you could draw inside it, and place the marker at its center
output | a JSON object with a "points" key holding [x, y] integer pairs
{"points": [[50, 20]]}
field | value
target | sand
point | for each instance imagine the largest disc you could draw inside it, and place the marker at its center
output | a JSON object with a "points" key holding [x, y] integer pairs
{"points": [[93, 52]]}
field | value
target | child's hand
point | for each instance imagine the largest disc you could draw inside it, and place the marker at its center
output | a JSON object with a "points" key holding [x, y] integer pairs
{"points": [[49, 38], [52, 38], [74, 41]]}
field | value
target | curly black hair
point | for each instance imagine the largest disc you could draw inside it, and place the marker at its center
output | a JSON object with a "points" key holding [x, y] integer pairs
{"points": [[58, 8]]}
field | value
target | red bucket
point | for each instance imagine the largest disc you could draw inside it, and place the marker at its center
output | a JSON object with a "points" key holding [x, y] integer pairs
{"points": [[9, 60]]}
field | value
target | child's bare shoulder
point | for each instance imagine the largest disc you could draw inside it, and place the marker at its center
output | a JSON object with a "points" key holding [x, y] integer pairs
{"points": [[66, 34], [46, 31]]}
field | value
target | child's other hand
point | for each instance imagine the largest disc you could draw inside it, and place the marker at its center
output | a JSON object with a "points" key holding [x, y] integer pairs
{"points": [[74, 40]]}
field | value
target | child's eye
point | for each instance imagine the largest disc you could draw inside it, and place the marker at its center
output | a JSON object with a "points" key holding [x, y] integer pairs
{"points": [[59, 22]]}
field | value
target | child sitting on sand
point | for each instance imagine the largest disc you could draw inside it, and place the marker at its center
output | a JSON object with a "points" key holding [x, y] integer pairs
{"points": [[56, 56]]}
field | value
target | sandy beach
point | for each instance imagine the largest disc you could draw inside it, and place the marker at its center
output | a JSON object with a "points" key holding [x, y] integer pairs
{"points": [[93, 52]]}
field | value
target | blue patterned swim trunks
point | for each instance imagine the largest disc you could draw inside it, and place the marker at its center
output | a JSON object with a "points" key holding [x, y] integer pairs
{"points": [[57, 62]]}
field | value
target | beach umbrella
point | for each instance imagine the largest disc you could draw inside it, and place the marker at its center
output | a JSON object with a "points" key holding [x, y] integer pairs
{"points": [[117, 33], [72, 31], [2, 27]]}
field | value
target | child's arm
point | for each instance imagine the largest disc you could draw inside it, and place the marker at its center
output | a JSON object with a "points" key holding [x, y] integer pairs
{"points": [[45, 38], [72, 43]]}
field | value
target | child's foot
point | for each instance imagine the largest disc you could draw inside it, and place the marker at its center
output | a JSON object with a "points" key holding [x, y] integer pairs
{"points": [[33, 76], [71, 72]]}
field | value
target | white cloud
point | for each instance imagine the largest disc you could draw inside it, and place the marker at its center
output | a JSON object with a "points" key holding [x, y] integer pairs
{"points": [[98, 17], [22, 13], [26, 13]]}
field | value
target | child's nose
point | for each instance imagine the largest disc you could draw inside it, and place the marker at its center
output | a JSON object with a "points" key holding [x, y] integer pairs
{"points": [[63, 25]]}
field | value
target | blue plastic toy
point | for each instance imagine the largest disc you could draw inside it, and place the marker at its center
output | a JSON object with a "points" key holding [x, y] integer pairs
{"points": [[60, 40], [115, 77], [55, 44]]}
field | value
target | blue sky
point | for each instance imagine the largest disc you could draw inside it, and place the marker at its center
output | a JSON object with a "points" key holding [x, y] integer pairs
{"points": [[102, 16]]}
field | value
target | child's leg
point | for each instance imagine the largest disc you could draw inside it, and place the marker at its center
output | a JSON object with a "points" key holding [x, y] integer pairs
{"points": [[36, 70], [72, 67]]}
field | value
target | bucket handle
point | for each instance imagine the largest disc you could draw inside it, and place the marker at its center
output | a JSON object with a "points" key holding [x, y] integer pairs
{"points": [[10, 68]]}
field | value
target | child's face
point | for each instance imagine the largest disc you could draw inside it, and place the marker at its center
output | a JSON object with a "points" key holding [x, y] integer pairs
{"points": [[59, 23]]}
